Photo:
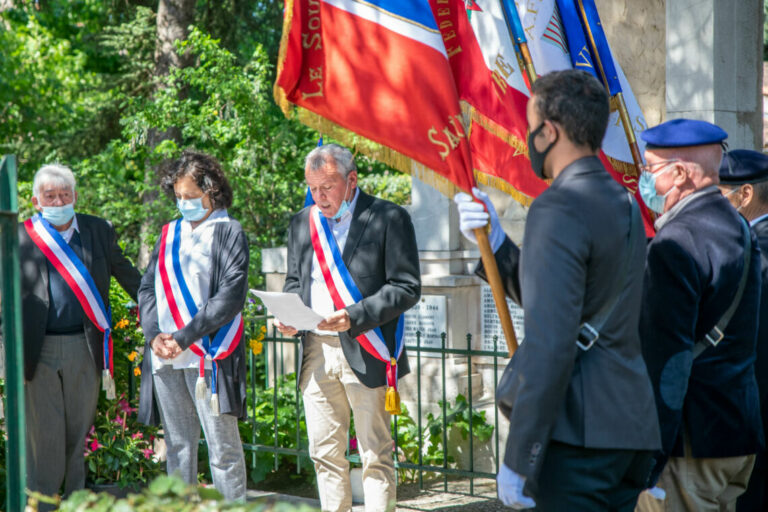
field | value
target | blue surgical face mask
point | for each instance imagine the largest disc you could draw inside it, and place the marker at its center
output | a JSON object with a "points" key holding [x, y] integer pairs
{"points": [[59, 215], [192, 209], [344, 205], [647, 187]]}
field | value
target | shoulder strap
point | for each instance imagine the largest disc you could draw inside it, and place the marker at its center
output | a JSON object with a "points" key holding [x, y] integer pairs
{"points": [[716, 335], [589, 332]]}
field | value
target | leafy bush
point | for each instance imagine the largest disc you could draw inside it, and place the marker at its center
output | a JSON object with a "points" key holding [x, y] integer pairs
{"points": [[169, 494]]}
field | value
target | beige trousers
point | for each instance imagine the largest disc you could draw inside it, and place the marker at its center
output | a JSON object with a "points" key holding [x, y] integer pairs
{"points": [[330, 389], [700, 485]]}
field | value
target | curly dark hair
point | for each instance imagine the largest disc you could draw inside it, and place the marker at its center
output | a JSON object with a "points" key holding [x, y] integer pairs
{"points": [[576, 100], [206, 173]]}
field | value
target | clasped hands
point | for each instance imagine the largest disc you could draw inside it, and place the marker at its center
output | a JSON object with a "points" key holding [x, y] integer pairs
{"points": [[337, 322], [165, 346]]}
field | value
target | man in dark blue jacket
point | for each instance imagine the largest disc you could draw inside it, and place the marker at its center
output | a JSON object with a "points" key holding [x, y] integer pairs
{"points": [[744, 181], [702, 370]]}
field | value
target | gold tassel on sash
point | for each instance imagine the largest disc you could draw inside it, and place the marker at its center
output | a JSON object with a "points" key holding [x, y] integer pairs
{"points": [[392, 398]]}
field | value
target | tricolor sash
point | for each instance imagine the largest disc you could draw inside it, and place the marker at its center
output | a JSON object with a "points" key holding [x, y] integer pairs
{"points": [[171, 287], [66, 262], [344, 292]]}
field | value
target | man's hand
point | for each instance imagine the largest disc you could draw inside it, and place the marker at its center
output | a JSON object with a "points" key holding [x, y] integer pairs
{"points": [[510, 488], [165, 346], [285, 329], [337, 322]]}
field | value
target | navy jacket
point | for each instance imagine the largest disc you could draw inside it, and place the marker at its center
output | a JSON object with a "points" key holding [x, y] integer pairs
{"points": [[383, 259], [228, 289], [575, 247], [692, 273], [102, 257], [761, 362]]}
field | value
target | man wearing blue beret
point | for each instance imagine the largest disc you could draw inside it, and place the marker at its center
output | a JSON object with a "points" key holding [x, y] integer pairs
{"points": [[744, 181], [698, 322]]}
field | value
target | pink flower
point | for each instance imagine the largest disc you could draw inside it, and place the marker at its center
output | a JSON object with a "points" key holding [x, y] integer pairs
{"points": [[94, 445], [93, 429], [119, 421], [353, 444], [147, 452], [137, 435], [126, 407]]}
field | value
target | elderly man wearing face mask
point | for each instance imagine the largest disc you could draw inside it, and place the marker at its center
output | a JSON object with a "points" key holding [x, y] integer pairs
{"points": [[744, 181], [698, 322], [67, 260]]}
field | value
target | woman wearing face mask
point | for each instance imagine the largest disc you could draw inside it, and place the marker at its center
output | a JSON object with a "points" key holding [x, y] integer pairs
{"points": [[190, 301]]}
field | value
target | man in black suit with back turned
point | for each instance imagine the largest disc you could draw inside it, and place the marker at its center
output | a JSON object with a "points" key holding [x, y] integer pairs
{"points": [[377, 246], [580, 403], [744, 181], [63, 350]]}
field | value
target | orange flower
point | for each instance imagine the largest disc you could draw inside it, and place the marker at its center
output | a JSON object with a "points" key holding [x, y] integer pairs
{"points": [[132, 356], [122, 324], [137, 371], [256, 346]]}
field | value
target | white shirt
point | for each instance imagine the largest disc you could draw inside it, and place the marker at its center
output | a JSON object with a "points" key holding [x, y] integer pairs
{"points": [[319, 298], [70, 231], [195, 250]]}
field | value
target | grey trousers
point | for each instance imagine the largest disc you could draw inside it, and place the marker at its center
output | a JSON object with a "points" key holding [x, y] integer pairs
{"points": [[182, 416], [60, 403]]}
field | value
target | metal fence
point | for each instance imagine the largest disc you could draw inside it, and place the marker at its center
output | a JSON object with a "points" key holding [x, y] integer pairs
{"points": [[279, 352]]}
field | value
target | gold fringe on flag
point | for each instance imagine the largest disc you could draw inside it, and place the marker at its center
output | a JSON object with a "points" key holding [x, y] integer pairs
{"points": [[278, 92], [625, 168], [503, 186]]}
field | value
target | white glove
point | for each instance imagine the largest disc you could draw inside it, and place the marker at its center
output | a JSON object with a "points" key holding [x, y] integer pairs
{"points": [[510, 488], [472, 215], [658, 493]]}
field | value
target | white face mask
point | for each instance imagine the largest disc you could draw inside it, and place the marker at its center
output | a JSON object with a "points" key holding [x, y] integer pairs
{"points": [[59, 215]]}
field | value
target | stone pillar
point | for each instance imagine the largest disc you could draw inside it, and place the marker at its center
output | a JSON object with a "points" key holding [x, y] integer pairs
{"points": [[714, 72]]}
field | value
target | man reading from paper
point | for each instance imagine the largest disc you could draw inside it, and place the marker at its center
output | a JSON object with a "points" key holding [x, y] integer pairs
{"points": [[352, 258]]}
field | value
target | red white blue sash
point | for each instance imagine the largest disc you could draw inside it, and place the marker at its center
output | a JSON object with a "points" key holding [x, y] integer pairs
{"points": [[171, 287], [66, 262], [344, 292]]}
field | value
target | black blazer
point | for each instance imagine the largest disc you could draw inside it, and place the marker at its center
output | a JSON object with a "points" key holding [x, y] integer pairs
{"points": [[228, 289], [693, 269], [574, 247], [383, 259], [101, 256]]}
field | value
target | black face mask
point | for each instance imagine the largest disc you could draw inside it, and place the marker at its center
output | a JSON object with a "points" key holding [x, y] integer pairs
{"points": [[537, 157]]}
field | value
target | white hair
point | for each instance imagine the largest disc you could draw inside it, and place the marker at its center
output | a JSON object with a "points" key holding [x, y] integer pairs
{"points": [[53, 174], [323, 155]]}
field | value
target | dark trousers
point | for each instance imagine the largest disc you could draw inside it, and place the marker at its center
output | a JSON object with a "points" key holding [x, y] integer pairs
{"points": [[577, 478], [755, 498]]}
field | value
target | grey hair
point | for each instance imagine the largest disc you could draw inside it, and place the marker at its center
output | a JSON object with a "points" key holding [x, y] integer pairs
{"points": [[55, 174], [331, 153]]}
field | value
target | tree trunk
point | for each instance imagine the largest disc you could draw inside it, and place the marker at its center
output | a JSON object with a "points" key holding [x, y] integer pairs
{"points": [[173, 18]]}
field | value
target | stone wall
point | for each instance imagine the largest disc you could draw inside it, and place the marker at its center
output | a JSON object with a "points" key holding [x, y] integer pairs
{"points": [[637, 35]]}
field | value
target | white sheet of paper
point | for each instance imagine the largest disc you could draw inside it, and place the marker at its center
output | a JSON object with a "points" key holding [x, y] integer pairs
{"points": [[288, 308]]}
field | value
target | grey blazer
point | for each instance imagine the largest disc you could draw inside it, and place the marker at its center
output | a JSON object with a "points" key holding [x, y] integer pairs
{"points": [[228, 288], [383, 259], [102, 257], [576, 238]]}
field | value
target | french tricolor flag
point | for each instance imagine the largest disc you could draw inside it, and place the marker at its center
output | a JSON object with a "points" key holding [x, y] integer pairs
{"points": [[380, 69]]}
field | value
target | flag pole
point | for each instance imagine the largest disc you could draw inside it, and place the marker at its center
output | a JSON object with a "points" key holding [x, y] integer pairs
{"points": [[617, 99], [497, 288], [515, 28]]}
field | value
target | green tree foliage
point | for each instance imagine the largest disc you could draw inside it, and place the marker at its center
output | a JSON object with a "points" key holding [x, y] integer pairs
{"points": [[77, 87]]}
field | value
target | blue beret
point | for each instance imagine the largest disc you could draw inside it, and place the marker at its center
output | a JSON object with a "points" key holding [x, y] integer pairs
{"points": [[679, 133], [743, 166]]}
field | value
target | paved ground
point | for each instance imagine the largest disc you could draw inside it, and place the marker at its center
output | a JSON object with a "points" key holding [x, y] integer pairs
{"points": [[432, 499]]}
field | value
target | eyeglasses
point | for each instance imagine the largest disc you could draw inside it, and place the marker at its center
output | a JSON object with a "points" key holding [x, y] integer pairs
{"points": [[655, 165]]}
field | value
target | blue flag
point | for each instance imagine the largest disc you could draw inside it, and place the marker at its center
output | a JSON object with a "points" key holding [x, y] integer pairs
{"points": [[587, 43]]}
